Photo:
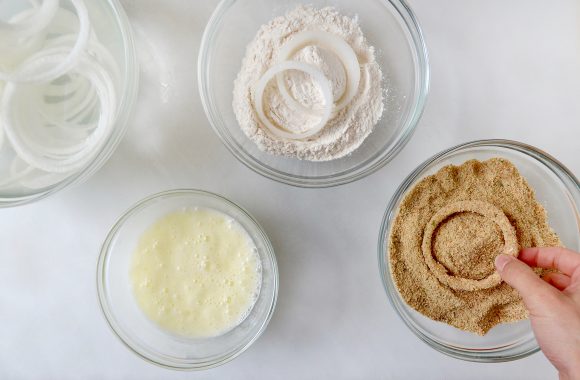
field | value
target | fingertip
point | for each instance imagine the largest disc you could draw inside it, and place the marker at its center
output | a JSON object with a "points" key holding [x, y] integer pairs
{"points": [[501, 261], [516, 273]]}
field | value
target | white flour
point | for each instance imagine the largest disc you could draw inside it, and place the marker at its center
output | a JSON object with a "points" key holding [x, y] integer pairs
{"points": [[349, 127]]}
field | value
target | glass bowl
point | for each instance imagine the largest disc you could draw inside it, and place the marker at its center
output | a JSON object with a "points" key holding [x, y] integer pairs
{"points": [[110, 24], [131, 325], [389, 25], [556, 189]]}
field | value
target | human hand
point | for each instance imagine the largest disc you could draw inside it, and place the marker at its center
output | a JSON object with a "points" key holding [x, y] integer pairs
{"points": [[553, 302]]}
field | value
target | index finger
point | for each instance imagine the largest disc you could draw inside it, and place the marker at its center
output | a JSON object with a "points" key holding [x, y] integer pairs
{"points": [[562, 259]]}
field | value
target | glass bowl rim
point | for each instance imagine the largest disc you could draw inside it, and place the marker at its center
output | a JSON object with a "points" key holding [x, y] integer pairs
{"points": [[363, 169], [500, 354], [160, 359], [126, 106]]}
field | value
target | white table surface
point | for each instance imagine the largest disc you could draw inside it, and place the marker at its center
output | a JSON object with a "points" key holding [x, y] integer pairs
{"points": [[500, 69]]}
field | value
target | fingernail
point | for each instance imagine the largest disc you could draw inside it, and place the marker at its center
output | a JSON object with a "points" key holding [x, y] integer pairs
{"points": [[501, 261]]}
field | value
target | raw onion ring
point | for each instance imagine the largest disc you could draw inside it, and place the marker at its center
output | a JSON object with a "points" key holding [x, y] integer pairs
{"points": [[28, 74], [34, 21], [14, 49], [1, 128], [61, 161], [16, 173]]}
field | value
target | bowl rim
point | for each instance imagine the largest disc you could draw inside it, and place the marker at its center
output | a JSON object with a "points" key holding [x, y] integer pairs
{"points": [[126, 108], [370, 165], [499, 354], [101, 276]]}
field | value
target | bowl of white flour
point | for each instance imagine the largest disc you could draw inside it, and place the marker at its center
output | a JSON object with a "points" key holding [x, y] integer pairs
{"points": [[313, 94]]}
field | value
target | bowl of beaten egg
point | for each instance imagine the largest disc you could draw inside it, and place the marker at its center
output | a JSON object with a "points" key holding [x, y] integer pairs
{"points": [[187, 279]]}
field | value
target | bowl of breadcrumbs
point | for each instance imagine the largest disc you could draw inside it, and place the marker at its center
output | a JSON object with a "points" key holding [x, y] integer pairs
{"points": [[446, 224]]}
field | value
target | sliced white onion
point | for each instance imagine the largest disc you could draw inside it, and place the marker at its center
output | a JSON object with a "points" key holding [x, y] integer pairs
{"points": [[313, 71], [39, 180], [334, 44], [94, 50], [26, 176], [35, 21], [65, 104], [14, 49], [60, 100], [50, 140], [65, 86], [1, 127], [33, 132], [86, 119], [71, 141], [54, 158], [104, 57], [81, 105], [67, 107], [1, 137], [17, 171], [32, 73], [36, 179], [65, 22]]}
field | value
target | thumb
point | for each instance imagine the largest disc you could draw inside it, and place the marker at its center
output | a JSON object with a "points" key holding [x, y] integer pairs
{"points": [[536, 293]]}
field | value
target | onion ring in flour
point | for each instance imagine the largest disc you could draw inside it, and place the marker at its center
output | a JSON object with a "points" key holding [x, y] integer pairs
{"points": [[335, 45], [313, 71]]}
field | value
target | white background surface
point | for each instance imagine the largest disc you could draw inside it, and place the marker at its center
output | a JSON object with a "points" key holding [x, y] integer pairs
{"points": [[500, 69]]}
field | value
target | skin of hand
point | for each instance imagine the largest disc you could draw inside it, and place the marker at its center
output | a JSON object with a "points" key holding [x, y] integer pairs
{"points": [[552, 301]]}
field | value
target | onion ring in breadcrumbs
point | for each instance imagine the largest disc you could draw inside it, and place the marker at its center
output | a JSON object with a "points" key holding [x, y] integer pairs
{"points": [[484, 209]]}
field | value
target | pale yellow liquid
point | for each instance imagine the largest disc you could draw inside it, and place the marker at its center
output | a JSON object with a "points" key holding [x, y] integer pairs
{"points": [[196, 273]]}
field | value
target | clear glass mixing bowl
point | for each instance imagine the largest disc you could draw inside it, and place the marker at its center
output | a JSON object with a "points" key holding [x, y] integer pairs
{"points": [[557, 189], [131, 325], [390, 27], [111, 25]]}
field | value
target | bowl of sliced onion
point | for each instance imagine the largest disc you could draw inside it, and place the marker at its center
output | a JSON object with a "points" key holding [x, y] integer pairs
{"points": [[68, 82]]}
